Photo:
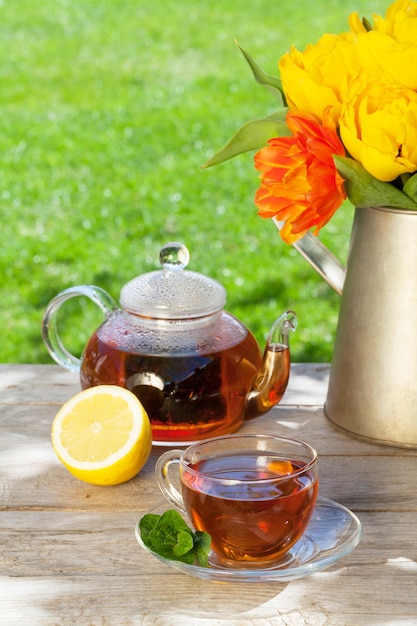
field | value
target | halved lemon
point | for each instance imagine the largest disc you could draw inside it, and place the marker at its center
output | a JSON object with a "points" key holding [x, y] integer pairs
{"points": [[102, 435]]}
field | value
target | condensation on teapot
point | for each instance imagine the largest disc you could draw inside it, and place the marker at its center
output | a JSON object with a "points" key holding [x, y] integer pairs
{"points": [[195, 367]]}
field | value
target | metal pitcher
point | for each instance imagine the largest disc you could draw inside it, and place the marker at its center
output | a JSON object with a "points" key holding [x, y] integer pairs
{"points": [[372, 389]]}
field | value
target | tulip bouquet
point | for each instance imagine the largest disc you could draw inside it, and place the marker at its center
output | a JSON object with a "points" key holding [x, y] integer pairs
{"points": [[346, 126]]}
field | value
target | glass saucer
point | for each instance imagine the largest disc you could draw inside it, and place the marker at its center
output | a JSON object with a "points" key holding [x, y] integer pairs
{"points": [[333, 532]]}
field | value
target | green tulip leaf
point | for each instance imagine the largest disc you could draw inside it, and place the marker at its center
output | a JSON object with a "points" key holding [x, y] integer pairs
{"points": [[367, 24], [365, 190], [252, 136], [410, 187], [270, 82]]}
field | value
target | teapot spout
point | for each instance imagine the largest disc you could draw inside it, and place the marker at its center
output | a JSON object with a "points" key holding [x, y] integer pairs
{"points": [[272, 379]]}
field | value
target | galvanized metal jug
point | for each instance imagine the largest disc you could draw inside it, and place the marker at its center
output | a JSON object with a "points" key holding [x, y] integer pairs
{"points": [[373, 381]]}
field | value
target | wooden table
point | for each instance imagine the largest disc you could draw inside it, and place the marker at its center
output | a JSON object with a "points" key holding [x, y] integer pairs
{"points": [[69, 555]]}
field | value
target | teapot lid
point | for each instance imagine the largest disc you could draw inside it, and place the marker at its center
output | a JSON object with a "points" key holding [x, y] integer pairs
{"points": [[173, 292]]}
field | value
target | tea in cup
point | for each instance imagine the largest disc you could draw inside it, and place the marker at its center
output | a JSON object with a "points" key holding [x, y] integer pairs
{"points": [[254, 494]]}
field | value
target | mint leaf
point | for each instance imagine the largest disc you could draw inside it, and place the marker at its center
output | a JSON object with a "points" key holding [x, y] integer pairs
{"points": [[185, 543], [147, 524], [169, 536], [202, 542], [171, 519]]}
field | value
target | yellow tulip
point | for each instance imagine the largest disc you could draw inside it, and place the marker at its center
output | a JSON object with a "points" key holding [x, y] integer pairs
{"points": [[400, 22], [378, 126], [381, 55], [391, 47], [317, 78]]}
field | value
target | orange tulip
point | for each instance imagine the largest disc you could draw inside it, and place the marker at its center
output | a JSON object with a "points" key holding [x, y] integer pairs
{"points": [[300, 184]]}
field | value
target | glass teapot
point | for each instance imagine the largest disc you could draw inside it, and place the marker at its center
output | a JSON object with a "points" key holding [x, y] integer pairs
{"points": [[197, 370]]}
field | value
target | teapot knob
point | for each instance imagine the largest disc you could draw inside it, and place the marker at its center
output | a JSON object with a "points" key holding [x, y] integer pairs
{"points": [[174, 256], [173, 293]]}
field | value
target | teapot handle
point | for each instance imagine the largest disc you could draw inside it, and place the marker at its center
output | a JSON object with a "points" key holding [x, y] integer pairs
{"points": [[319, 257], [50, 318]]}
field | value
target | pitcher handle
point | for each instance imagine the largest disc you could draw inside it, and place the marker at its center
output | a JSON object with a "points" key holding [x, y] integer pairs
{"points": [[320, 258], [50, 333]]}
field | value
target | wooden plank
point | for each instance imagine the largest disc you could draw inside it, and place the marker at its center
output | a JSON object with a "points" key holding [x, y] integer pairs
{"points": [[310, 423], [344, 595], [307, 384], [69, 555], [50, 383], [19, 423], [31, 384], [35, 483], [44, 543], [133, 602], [31, 475], [91, 562]]}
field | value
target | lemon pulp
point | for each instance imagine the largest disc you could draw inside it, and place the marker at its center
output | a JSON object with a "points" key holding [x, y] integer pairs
{"points": [[102, 435]]}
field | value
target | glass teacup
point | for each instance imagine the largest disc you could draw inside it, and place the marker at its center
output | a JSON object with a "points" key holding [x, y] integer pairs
{"points": [[254, 494]]}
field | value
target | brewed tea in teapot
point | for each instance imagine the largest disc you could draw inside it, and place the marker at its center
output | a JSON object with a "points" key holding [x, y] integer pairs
{"points": [[197, 369]]}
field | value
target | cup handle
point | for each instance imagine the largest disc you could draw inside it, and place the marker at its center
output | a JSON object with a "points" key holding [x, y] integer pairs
{"points": [[162, 473]]}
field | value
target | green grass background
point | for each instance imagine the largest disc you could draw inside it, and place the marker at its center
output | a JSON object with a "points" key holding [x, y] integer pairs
{"points": [[108, 109]]}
